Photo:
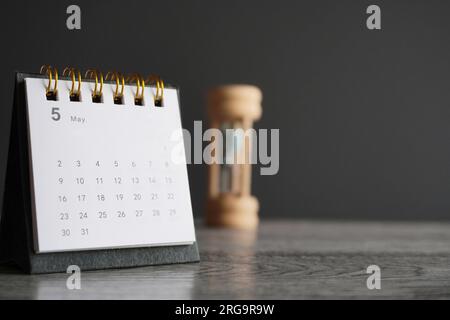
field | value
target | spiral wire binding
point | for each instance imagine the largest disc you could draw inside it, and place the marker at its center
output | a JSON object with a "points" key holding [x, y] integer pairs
{"points": [[96, 76], [50, 93], [70, 71], [120, 80], [159, 84], [140, 86], [96, 94]]}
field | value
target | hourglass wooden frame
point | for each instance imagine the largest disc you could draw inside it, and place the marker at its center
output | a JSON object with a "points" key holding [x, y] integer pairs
{"points": [[230, 203]]}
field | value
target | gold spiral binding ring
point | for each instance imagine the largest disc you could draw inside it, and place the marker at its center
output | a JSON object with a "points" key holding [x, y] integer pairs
{"points": [[96, 94], [159, 84], [69, 71], [114, 75], [51, 72], [140, 86]]}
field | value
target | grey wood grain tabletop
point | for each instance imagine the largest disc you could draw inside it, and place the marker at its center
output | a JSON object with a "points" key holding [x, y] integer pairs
{"points": [[283, 260]]}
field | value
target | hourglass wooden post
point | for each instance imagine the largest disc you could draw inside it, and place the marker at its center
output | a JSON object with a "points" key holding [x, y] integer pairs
{"points": [[233, 109]]}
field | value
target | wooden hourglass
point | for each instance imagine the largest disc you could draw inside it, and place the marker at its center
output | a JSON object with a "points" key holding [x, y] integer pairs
{"points": [[230, 203]]}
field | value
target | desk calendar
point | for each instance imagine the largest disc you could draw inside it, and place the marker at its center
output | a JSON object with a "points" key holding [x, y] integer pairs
{"points": [[97, 180]]}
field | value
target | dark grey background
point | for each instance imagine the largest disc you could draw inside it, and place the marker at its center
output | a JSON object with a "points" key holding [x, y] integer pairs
{"points": [[364, 116]]}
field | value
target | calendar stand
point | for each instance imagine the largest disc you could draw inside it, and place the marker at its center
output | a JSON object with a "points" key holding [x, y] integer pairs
{"points": [[16, 232]]}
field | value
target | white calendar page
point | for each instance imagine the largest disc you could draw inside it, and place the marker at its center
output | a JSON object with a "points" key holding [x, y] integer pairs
{"points": [[101, 173]]}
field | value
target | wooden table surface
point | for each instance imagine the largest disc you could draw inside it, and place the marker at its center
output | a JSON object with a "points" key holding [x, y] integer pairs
{"points": [[284, 260]]}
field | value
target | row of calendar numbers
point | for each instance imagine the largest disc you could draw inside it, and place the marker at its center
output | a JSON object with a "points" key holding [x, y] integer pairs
{"points": [[113, 215], [118, 197], [118, 180], [121, 214], [113, 164]]}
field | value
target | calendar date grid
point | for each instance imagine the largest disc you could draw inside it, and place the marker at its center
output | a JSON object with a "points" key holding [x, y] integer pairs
{"points": [[146, 187]]}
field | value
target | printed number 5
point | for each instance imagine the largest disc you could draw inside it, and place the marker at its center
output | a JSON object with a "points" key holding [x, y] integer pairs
{"points": [[55, 114]]}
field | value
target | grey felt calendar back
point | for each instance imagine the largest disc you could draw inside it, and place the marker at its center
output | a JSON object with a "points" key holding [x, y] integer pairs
{"points": [[16, 230]]}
